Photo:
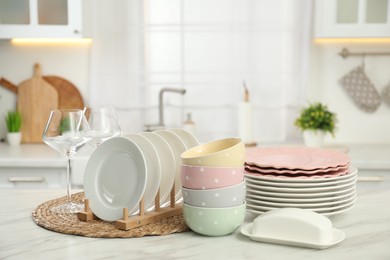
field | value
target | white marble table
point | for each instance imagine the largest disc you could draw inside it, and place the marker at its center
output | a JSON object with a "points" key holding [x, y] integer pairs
{"points": [[367, 228]]}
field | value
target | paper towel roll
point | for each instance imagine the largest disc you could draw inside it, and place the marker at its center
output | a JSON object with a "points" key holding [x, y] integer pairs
{"points": [[245, 122]]}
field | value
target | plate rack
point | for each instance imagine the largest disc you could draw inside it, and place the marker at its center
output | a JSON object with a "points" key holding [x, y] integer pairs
{"points": [[142, 218]]}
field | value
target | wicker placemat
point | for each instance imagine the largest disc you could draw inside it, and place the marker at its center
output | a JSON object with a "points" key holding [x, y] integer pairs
{"points": [[69, 223]]}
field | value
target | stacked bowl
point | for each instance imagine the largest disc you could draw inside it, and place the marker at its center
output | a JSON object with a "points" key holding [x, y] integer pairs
{"points": [[213, 186]]}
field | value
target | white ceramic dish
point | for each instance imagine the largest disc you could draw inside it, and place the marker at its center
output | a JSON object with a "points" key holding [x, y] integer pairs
{"points": [[178, 147], [329, 198], [326, 214], [188, 138], [167, 163], [300, 185], [256, 206], [257, 202], [115, 177], [152, 166], [300, 195], [302, 189], [294, 227], [338, 211], [352, 171]]}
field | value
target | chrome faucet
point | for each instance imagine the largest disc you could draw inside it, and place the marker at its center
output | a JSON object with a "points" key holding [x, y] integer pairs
{"points": [[161, 124]]}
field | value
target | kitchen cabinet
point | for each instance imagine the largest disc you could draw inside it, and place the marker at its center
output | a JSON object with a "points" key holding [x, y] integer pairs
{"points": [[32, 178], [37, 166], [44, 19], [352, 18], [31, 167]]}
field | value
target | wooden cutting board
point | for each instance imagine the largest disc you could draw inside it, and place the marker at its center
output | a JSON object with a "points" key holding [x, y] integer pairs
{"points": [[69, 95], [36, 98]]}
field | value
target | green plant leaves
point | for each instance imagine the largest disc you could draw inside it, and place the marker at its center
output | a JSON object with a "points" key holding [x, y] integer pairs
{"points": [[13, 121], [317, 117]]}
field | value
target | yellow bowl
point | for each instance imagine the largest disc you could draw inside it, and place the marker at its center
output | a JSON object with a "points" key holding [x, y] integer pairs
{"points": [[229, 152]]}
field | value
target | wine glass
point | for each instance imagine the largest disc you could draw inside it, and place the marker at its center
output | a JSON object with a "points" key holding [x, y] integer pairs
{"points": [[103, 123], [66, 131]]}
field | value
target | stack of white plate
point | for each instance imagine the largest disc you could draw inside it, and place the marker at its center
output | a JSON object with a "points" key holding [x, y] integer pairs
{"points": [[316, 179], [123, 170]]}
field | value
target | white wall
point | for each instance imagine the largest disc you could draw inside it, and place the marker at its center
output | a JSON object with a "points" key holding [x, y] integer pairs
{"points": [[69, 61], [327, 67]]}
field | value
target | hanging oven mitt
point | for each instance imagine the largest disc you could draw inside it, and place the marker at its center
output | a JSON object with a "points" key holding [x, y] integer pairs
{"points": [[361, 90], [386, 94]]}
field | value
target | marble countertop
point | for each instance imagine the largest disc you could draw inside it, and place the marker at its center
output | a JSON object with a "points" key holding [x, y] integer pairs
{"points": [[367, 228], [31, 155]]}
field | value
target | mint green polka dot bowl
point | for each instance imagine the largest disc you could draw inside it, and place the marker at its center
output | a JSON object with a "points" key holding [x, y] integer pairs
{"points": [[214, 221]]}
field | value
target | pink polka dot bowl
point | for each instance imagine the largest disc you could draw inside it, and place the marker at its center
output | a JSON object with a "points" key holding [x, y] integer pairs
{"points": [[229, 152], [215, 198], [205, 177]]}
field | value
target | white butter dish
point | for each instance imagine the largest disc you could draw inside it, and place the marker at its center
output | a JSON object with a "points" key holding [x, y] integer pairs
{"points": [[294, 227]]}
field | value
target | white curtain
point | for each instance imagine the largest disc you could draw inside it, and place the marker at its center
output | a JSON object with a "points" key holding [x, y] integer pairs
{"points": [[209, 48]]}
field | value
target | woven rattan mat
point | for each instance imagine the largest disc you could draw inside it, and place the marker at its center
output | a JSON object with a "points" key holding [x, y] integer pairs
{"points": [[69, 223]]}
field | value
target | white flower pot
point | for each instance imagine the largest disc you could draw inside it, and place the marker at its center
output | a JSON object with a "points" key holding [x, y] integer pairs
{"points": [[14, 139], [314, 138]]}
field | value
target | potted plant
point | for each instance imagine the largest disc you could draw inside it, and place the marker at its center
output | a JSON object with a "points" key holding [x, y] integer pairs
{"points": [[315, 121], [14, 122]]}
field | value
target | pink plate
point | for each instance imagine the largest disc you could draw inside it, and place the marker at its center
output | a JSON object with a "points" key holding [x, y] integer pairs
{"points": [[298, 175], [298, 171], [294, 158]]}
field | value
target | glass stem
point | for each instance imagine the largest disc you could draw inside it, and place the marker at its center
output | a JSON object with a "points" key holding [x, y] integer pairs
{"points": [[68, 175]]}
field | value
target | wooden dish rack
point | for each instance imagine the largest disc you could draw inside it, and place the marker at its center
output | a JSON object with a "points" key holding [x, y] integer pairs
{"points": [[142, 218]]}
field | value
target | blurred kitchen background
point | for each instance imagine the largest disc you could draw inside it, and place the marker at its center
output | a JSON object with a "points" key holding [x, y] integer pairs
{"points": [[123, 52]]}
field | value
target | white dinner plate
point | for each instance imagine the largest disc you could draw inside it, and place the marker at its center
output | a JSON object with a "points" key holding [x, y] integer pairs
{"points": [[302, 200], [338, 211], [326, 214], [301, 195], [115, 177], [254, 201], [178, 147], [167, 163], [302, 189], [152, 167], [188, 138], [299, 184], [315, 209], [352, 171]]}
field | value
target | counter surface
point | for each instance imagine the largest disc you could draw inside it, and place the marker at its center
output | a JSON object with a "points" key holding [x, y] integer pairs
{"points": [[367, 228]]}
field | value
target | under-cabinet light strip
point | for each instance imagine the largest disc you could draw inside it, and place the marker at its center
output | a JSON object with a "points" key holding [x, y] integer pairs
{"points": [[51, 41], [351, 40]]}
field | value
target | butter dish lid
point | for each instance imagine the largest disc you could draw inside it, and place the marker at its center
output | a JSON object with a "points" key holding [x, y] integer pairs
{"points": [[294, 227]]}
